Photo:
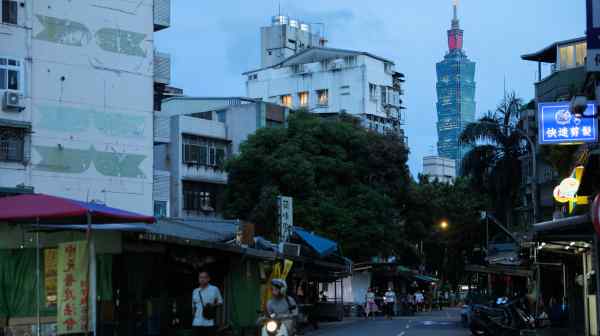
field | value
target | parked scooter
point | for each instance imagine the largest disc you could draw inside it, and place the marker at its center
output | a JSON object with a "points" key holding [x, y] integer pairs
{"points": [[504, 318]]}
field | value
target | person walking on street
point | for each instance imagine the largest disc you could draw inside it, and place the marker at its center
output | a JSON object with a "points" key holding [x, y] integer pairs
{"points": [[420, 300], [389, 299], [205, 301], [370, 305]]}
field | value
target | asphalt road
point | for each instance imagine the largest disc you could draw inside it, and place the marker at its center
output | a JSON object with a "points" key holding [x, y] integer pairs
{"points": [[440, 323]]}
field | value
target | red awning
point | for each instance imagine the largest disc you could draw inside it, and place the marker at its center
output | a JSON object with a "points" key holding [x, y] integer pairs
{"points": [[52, 209]]}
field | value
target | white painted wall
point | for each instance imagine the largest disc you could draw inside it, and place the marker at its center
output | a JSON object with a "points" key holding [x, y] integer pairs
{"points": [[440, 168], [90, 104], [348, 86]]}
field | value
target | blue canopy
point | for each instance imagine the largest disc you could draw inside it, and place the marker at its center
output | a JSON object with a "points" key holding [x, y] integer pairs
{"points": [[321, 245]]}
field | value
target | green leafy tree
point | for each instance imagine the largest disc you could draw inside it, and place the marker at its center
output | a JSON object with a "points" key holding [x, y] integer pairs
{"points": [[348, 184], [459, 205]]}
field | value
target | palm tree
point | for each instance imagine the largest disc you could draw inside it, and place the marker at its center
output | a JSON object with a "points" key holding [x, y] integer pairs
{"points": [[493, 162]]}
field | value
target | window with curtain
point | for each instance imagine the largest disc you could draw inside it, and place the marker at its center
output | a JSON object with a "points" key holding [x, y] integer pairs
{"points": [[580, 54], [323, 97], [286, 100], [566, 55], [9, 11], [303, 98]]}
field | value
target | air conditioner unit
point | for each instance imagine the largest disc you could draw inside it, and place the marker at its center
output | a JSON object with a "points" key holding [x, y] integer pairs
{"points": [[289, 249], [12, 101]]}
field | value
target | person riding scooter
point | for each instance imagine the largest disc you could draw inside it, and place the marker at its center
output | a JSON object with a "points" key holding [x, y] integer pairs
{"points": [[282, 306]]}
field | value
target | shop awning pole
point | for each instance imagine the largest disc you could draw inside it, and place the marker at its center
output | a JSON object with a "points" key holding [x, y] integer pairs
{"points": [[596, 274], [38, 279], [584, 256]]}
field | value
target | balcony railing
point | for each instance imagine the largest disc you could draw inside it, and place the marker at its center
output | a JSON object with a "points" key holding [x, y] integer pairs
{"points": [[162, 14], [162, 68]]}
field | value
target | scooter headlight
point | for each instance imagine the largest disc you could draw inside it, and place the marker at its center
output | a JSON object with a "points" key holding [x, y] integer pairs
{"points": [[272, 326]]}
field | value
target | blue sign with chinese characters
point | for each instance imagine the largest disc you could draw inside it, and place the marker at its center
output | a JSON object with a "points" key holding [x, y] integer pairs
{"points": [[557, 125]]}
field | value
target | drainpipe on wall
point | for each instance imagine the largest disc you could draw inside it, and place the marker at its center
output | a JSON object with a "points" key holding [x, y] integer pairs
{"points": [[364, 93]]}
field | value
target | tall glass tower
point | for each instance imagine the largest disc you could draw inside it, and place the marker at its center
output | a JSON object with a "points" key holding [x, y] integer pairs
{"points": [[456, 94]]}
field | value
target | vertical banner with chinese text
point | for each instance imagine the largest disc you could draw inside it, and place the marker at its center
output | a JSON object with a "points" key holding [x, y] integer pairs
{"points": [[73, 288]]}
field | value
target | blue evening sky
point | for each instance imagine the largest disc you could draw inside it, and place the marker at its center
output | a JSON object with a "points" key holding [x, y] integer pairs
{"points": [[212, 42]]}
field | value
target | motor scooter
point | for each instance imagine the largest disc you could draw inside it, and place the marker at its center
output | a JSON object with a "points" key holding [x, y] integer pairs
{"points": [[503, 318], [277, 325]]}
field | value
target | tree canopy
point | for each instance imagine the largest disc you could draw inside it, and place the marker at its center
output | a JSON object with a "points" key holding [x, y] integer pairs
{"points": [[348, 183], [446, 249]]}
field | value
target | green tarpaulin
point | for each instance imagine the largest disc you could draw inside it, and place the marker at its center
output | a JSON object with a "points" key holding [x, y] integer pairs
{"points": [[18, 283], [244, 293]]}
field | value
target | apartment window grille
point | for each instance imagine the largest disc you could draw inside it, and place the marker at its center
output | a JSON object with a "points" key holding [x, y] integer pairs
{"points": [[12, 144], [201, 151]]}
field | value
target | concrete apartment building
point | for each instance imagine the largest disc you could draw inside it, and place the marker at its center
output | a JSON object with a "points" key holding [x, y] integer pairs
{"points": [[76, 85], [194, 138], [440, 169], [299, 74]]}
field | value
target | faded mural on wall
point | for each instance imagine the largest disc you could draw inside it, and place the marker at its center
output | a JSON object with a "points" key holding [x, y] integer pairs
{"points": [[77, 161], [78, 120], [72, 33]]}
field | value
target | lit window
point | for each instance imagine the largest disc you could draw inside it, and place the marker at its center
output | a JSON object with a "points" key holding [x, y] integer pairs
{"points": [[286, 100], [303, 97], [10, 74], [567, 57], [323, 97], [580, 54]]}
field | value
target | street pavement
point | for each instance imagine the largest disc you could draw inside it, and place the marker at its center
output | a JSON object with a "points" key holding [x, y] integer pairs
{"points": [[438, 323]]}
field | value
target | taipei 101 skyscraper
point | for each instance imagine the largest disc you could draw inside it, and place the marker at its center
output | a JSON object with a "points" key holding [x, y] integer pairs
{"points": [[456, 94]]}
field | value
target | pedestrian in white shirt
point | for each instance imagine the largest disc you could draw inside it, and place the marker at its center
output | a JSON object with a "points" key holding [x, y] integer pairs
{"points": [[389, 298], [420, 300], [205, 300]]}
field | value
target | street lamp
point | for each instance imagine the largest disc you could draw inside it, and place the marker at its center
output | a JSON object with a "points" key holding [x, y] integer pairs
{"points": [[444, 225]]}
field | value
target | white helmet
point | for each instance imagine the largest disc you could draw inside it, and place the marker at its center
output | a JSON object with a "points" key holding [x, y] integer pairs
{"points": [[281, 284]]}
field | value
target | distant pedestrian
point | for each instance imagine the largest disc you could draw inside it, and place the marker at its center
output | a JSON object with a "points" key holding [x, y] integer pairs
{"points": [[370, 305], [410, 298], [389, 300], [419, 300]]}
